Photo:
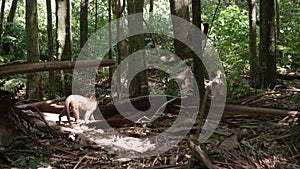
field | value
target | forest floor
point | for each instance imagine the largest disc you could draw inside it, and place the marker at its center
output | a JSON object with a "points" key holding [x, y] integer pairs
{"points": [[240, 141]]}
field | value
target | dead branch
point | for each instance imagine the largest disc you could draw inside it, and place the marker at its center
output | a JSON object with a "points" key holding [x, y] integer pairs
{"points": [[203, 157]]}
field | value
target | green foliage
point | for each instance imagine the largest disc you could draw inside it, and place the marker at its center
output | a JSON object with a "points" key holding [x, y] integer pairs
{"points": [[290, 47], [230, 36], [241, 91], [15, 36], [13, 83], [217, 136], [31, 162]]}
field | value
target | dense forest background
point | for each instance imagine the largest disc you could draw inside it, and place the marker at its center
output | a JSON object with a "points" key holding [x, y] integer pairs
{"points": [[229, 30]]}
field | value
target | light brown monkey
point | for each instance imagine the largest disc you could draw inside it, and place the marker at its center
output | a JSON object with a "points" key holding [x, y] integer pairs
{"points": [[77, 104]]}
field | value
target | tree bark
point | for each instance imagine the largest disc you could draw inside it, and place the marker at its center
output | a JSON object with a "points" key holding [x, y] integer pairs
{"points": [[198, 68], [64, 41], [267, 58], [95, 3], [151, 5], [180, 9], [52, 83], [139, 83], [121, 45], [118, 9], [83, 22], [1, 18], [278, 34], [33, 51], [252, 38], [10, 18], [110, 36]]}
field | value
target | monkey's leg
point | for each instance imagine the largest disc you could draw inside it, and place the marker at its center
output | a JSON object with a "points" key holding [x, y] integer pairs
{"points": [[62, 113], [69, 119], [92, 117], [88, 115]]}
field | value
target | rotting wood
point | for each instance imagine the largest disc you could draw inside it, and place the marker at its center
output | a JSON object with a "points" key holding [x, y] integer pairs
{"points": [[26, 67]]}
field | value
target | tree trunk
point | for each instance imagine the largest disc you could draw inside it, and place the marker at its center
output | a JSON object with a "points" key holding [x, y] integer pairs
{"points": [[10, 18], [139, 84], [252, 38], [122, 48], [33, 51], [83, 22], [151, 5], [198, 68], [52, 83], [1, 19], [64, 41], [96, 22], [110, 36], [180, 9], [278, 34], [267, 59], [121, 45]]}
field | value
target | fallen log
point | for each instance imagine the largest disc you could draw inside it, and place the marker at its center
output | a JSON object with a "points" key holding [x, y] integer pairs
{"points": [[233, 109], [172, 107], [29, 67]]}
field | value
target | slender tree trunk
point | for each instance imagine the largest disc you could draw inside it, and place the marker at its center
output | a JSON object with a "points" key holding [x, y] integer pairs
{"points": [[96, 15], [151, 5], [278, 34], [33, 52], [10, 18], [83, 22], [180, 9], [122, 48], [1, 19], [67, 54], [121, 45], [52, 83], [139, 84], [110, 36], [267, 58], [61, 15], [198, 68], [151, 8], [64, 41], [252, 38]]}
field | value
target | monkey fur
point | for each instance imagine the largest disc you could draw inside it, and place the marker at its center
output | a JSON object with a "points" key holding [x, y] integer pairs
{"points": [[77, 104]]}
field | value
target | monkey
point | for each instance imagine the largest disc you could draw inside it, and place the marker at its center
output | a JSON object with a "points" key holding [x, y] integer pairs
{"points": [[77, 103]]}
